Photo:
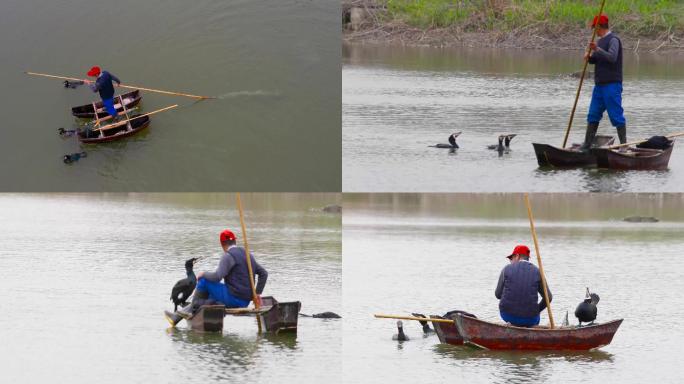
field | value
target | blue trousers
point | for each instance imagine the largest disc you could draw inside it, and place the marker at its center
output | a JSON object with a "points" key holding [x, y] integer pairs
{"points": [[607, 97], [520, 321], [219, 292], [109, 106]]}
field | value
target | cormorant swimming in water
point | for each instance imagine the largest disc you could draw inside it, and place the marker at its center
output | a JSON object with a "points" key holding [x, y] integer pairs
{"points": [[400, 336], [323, 315], [426, 327], [452, 142], [184, 287], [504, 142], [72, 84], [586, 311], [66, 132], [73, 157]]}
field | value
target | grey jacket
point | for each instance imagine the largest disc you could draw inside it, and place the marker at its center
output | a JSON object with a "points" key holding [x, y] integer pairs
{"points": [[233, 270]]}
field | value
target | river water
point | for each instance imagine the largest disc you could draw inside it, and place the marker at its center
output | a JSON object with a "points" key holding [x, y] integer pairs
{"points": [[399, 100], [434, 253], [86, 279], [273, 64]]}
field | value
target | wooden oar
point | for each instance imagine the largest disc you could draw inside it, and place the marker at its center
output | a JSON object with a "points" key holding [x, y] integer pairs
{"points": [[413, 318], [255, 298], [123, 122], [539, 261], [584, 71], [672, 136], [124, 86]]}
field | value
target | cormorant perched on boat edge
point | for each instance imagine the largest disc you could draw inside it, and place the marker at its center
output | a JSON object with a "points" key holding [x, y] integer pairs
{"points": [[586, 311], [182, 290]]}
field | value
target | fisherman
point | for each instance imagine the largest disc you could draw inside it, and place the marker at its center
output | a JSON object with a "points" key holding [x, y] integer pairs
{"points": [[104, 85], [519, 284], [236, 291], [606, 55]]}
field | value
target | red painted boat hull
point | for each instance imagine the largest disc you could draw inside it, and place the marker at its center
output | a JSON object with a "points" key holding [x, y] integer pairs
{"points": [[484, 334], [447, 333]]}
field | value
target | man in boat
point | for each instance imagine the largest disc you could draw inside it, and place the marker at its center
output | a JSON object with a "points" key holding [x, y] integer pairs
{"points": [[235, 291], [606, 55], [518, 289], [105, 86]]}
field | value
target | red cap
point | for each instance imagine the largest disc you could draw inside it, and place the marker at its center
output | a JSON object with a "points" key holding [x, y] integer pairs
{"points": [[520, 250], [603, 19], [94, 71], [226, 235]]}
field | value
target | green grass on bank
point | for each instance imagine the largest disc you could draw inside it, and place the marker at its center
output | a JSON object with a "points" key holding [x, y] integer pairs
{"points": [[635, 17]]}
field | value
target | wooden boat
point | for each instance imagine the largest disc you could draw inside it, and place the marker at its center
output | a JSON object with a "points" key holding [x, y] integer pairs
{"points": [[486, 335], [88, 136], [447, 333], [281, 317], [209, 318], [633, 158], [130, 99], [550, 156]]}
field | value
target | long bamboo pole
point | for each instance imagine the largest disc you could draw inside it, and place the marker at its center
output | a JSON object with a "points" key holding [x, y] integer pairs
{"points": [[584, 71], [120, 123], [255, 298], [413, 318], [124, 86], [672, 136], [539, 261]]}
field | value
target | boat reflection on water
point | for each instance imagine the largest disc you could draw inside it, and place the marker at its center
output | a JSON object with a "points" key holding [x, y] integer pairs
{"points": [[521, 366], [215, 349]]}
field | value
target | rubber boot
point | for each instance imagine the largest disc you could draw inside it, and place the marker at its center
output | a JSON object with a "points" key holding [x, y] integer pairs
{"points": [[622, 135], [198, 299], [172, 318], [589, 136]]}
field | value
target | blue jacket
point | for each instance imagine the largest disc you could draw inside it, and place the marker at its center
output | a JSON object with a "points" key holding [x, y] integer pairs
{"points": [[104, 85], [608, 60], [233, 270], [518, 289]]}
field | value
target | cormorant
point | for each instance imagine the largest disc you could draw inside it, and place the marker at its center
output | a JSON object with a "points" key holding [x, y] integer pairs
{"points": [[452, 142], [184, 287], [400, 336], [323, 315], [73, 157], [426, 327], [72, 84], [504, 142], [586, 311]]}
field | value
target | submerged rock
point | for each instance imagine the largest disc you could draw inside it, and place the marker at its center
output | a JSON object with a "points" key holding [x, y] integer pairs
{"points": [[332, 209]]}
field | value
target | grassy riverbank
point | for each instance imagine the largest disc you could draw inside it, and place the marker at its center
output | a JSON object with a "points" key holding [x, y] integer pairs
{"points": [[633, 17], [523, 23]]}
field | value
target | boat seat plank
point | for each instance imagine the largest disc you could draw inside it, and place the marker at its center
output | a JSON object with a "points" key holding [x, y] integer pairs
{"points": [[248, 311]]}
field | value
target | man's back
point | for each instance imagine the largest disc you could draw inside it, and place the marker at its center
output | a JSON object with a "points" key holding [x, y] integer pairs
{"points": [[518, 290]]}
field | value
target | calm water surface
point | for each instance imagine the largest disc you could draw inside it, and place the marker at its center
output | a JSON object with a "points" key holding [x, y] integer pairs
{"points": [[273, 64], [87, 278], [432, 254], [397, 101]]}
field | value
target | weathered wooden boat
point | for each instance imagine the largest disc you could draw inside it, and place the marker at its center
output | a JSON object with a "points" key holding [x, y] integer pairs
{"points": [[209, 318], [550, 156], [92, 136], [281, 317], [130, 100], [633, 158], [486, 335], [446, 332]]}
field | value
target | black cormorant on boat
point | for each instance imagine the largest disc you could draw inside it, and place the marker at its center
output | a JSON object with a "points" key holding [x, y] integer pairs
{"points": [[586, 311], [184, 287]]}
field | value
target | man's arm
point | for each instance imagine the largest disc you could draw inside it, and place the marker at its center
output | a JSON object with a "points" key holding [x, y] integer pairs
{"points": [[225, 265], [542, 303], [499, 286], [115, 78], [263, 276], [611, 55]]}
